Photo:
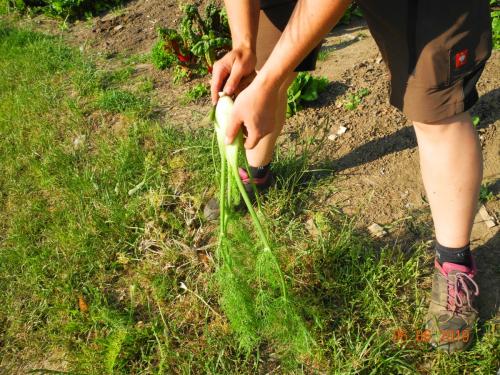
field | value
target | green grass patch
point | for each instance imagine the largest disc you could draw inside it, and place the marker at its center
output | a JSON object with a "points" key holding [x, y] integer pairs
{"points": [[121, 101], [99, 228], [323, 55], [197, 92]]}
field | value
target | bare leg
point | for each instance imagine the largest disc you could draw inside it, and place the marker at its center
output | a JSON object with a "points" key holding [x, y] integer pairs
{"points": [[451, 165], [262, 154]]}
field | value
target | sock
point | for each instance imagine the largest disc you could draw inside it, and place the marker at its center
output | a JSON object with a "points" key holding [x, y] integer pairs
{"points": [[259, 172], [461, 255]]}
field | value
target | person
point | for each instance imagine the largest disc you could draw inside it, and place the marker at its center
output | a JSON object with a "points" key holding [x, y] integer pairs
{"points": [[435, 52]]}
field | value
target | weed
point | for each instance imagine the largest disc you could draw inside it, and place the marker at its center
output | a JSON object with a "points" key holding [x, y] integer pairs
{"points": [[476, 120], [147, 85], [197, 92], [161, 57], [323, 55], [180, 73], [355, 99], [485, 194]]}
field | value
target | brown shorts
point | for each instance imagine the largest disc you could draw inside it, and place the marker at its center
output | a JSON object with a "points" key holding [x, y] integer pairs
{"points": [[273, 18], [435, 50]]}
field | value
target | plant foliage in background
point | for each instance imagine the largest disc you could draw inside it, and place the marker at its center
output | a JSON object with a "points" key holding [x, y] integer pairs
{"points": [[196, 45], [353, 11], [305, 88], [495, 27], [63, 8]]}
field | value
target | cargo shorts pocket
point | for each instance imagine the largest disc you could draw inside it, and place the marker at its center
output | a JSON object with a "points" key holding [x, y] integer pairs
{"points": [[451, 40], [471, 52]]}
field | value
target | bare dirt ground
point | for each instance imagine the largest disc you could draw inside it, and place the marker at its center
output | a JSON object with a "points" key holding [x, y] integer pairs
{"points": [[375, 160]]}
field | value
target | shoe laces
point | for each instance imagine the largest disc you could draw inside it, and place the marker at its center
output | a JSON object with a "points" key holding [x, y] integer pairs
{"points": [[459, 291]]}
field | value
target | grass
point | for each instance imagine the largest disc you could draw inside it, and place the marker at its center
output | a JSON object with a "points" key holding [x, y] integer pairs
{"points": [[96, 240], [197, 92], [323, 55], [120, 101]]}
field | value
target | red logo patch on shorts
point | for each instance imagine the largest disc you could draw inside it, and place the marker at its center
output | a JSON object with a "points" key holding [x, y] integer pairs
{"points": [[461, 58]]}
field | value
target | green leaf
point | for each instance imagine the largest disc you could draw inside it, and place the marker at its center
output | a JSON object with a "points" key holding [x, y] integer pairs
{"points": [[199, 48], [310, 92], [363, 92], [305, 87]]}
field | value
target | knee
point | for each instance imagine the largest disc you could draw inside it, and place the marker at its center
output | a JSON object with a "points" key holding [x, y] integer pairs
{"points": [[429, 129], [448, 125]]}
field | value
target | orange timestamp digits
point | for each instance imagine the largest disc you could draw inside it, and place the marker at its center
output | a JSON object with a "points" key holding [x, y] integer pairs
{"points": [[445, 335]]}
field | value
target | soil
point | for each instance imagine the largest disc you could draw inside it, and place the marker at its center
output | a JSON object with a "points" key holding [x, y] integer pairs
{"points": [[375, 160]]}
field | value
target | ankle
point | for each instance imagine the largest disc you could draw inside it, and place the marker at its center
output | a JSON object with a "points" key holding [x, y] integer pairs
{"points": [[458, 255], [259, 172]]}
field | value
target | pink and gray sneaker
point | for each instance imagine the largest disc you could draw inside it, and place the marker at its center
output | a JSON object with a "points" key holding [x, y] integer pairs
{"points": [[452, 314], [262, 184]]}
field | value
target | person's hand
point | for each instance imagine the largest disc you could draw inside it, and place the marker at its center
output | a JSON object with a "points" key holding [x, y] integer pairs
{"points": [[255, 110], [231, 73]]}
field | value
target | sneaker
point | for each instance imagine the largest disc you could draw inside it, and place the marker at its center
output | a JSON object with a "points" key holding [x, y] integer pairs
{"points": [[211, 210], [452, 315]]}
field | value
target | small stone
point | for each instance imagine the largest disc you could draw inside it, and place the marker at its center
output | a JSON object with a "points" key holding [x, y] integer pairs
{"points": [[341, 130], [487, 218], [332, 137], [211, 210], [118, 28], [376, 230], [312, 228]]}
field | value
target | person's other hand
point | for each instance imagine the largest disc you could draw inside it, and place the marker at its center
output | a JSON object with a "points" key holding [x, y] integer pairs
{"points": [[255, 110], [237, 66]]}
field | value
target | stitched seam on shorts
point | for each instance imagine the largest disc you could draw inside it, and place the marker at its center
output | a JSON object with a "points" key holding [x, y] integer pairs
{"points": [[462, 102]]}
